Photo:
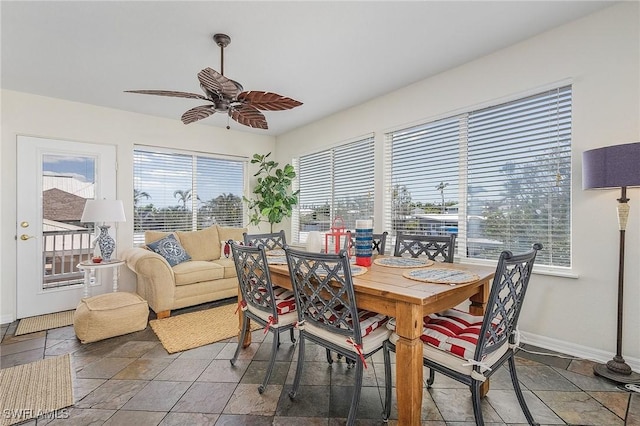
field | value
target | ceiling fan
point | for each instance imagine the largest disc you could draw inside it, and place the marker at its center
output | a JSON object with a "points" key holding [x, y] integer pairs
{"points": [[227, 96]]}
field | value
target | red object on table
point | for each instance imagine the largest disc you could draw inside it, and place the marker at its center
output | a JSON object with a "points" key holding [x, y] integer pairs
{"points": [[338, 231]]}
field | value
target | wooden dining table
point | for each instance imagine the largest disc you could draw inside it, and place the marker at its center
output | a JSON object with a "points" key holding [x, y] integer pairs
{"points": [[385, 290]]}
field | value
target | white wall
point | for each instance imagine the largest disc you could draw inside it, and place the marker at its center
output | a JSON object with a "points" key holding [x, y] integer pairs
{"points": [[600, 56], [24, 114]]}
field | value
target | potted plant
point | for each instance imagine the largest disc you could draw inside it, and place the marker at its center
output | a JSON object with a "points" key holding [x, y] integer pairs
{"points": [[274, 199]]}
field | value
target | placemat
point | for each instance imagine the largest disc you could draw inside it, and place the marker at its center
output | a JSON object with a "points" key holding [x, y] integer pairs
{"points": [[440, 276], [355, 270], [277, 260], [403, 262], [275, 252]]}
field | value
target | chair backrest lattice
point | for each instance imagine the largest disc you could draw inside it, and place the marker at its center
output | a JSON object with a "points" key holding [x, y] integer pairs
{"points": [[270, 241], [324, 293], [436, 247], [254, 277], [505, 300]]}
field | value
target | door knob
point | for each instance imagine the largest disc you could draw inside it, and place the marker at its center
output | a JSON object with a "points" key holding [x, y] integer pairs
{"points": [[25, 237]]}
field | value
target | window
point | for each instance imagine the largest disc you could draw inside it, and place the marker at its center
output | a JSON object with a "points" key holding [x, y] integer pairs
{"points": [[335, 183], [177, 191], [499, 177]]}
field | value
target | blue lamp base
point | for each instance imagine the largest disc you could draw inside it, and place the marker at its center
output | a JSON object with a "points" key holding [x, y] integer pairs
{"points": [[106, 243]]}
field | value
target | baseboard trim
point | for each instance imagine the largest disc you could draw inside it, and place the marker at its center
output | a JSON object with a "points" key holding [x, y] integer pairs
{"points": [[572, 349], [6, 319]]}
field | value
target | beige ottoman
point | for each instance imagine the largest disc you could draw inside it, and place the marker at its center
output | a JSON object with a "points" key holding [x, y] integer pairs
{"points": [[108, 315]]}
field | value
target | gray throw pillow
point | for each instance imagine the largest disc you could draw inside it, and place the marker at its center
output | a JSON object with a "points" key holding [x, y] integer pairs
{"points": [[171, 249]]}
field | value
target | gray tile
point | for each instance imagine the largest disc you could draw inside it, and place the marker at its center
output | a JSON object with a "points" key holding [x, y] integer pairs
{"points": [[80, 417], [10, 338], [204, 352], [506, 405], [341, 375], [632, 416], [104, 368], [258, 369], [221, 370], [22, 346], [455, 406], [191, 419], [300, 421], [284, 353], [112, 395], [62, 333], [83, 387], [245, 353], [183, 369], [131, 349], [205, 397], [616, 402], [588, 383], [143, 369], [543, 378], [21, 358], [159, 351], [61, 347], [310, 401], [430, 411], [313, 373], [247, 400], [578, 408], [243, 420], [369, 407], [138, 418], [157, 396]]}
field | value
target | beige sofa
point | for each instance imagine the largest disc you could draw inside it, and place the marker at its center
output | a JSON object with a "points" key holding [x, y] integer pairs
{"points": [[208, 276]]}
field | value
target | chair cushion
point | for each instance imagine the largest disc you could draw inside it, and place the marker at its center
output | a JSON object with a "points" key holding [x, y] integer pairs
{"points": [[369, 321], [450, 338], [285, 301], [372, 342]]}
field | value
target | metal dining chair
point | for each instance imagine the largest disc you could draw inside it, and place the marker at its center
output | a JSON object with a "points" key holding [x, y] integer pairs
{"points": [[328, 314], [470, 348], [270, 241], [436, 247], [272, 307]]}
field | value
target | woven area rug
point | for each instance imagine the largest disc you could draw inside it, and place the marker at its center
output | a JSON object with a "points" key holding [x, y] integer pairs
{"points": [[41, 388], [188, 331], [44, 322]]}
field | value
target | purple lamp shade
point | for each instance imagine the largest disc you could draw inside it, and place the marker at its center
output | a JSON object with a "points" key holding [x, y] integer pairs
{"points": [[611, 167]]}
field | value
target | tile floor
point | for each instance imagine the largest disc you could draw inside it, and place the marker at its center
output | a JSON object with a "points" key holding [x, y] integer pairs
{"points": [[132, 380]]}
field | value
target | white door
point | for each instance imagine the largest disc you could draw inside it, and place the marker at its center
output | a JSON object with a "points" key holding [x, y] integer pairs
{"points": [[54, 177]]}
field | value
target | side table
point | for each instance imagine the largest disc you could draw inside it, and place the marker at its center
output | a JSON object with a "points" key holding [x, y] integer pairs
{"points": [[89, 269]]}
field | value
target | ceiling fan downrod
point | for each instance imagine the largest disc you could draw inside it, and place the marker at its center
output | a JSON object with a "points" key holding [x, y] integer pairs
{"points": [[223, 41]]}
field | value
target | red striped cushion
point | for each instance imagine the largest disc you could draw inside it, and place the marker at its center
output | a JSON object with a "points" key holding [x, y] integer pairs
{"points": [[453, 331], [285, 301], [369, 321]]}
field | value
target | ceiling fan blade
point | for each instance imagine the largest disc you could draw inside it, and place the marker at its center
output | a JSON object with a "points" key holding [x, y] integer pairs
{"points": [[197, 113], [268, 101], [249, 116], [170, 93], [212, 81]]}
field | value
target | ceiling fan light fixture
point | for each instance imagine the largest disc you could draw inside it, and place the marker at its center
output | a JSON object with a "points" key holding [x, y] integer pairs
{"points": [[228, 96]]}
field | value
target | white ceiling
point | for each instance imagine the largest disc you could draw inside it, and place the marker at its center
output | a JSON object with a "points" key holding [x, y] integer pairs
{"points": [[328, 55]]}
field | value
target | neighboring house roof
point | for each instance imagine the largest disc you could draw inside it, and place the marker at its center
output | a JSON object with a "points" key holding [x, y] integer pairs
{"points": [[61, 206], [68, 184]]}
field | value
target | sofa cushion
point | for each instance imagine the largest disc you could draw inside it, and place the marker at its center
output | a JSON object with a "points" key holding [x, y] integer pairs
{"points": [[201, 245], [151, 236], [170, 248], [229, 233], [197, 271], [228, 265]]}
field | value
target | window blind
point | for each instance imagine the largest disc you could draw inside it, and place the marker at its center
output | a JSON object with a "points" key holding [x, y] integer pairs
{"points": [[499, 177], [184, 192], [337, 182]]}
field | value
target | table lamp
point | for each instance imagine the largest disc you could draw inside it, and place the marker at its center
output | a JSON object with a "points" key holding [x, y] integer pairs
{"points": [[610, 167], [101, 211]]}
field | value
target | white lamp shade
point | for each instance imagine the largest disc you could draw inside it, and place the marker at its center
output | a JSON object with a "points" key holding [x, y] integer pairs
{"points": [[103, 211]]}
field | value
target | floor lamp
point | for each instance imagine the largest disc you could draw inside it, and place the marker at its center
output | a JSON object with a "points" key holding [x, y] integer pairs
{"points": [[610, 167]]}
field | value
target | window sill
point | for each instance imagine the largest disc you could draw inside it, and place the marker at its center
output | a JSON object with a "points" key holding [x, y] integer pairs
{"points": [[537, 270]]}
